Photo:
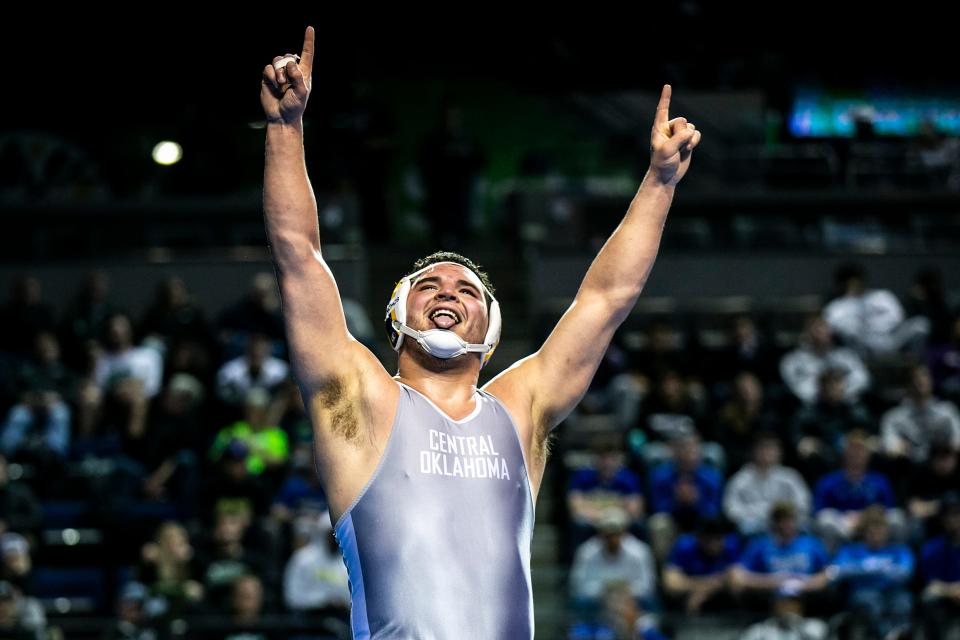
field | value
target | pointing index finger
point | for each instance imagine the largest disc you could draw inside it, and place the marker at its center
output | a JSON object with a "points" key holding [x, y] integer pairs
{"points": [[306, 55], [663, 107]]}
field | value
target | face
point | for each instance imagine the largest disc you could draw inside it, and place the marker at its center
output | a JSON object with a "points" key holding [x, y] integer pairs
{"points": [[819, 332], [920, 382], [247, 595], [712, 545], [767, 453], [748, 388], [785, 526], [448, 296], [119, 332], [687, 452], [175, 544], [856, 454], [876, 535]]}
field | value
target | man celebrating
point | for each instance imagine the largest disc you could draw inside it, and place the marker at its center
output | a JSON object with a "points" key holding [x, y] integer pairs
{"points": [[431, 481]]}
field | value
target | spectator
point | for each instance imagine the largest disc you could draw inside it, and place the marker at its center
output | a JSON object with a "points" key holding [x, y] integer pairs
{"points": [[752, 491], [37, 430], [246, 605], [697, 571], [817, 430], [24, 316], [784, 558], [621, 617], [945, 365], [609, 557], [45, 372], [686, 488], [231, 480], [802, 367], [877, 574], [302, 489], [315, 579], [268, 444], [742, 418], [671, 410], [608, 484], [174, 315], [16, 565], [747, 352], [167, 568], [132, 621], [255, 369], [930, 482], [909, 429], [19, 508], [229, 553], [940, 561], [872, 320], [85, 318], [17, 620], [257, 313], [122, 359], [787, 622], [842, 496]]}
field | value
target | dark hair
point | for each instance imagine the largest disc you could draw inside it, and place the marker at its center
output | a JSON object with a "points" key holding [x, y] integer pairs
{"points": [[450, 256]]}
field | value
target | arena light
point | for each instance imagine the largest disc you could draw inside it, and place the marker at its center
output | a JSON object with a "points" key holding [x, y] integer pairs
{"points": [[167, 153]]}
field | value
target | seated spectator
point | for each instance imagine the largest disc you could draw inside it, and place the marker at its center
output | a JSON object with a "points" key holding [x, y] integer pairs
{"points": [[930, 482], [608, 484], [872, 320], [302, 488], [752, 491], [37, 430], [698, 569], [876, 573], [671, 411], [816, 353], [19, 508], [787, 622], [747, 352], [230, 552], [132, 621], [742, 418], [121, 358], [174, 315], [940, 562], [784, 558], [256, 368], [16, 565], [168, 569], [267, 444], [246, 606], [258, 312], [232, 480], [315, 580], [20, 618], [909, 429], [945, 365], [841, 497], [85, 318], [24, 315], [620, 617], [817, 430], [612, 556], [681, 492], [45, 372]]}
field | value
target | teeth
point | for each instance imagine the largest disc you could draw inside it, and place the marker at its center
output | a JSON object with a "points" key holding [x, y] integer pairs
{"points": [[445, 312]]}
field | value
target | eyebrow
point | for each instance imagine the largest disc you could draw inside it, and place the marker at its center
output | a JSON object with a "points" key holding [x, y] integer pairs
{"points": [[437, 279]]}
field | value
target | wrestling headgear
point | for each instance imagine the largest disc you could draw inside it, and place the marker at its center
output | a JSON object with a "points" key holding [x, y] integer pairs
{"points": [[440, 343]]}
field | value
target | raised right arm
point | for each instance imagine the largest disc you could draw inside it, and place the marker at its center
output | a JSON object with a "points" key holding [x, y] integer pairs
{"points": [[321, 349]]}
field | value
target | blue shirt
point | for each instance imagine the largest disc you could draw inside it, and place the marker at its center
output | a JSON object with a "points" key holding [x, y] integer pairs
{"points": [[940, 560], [624, 482], [663, 482], [836, 491], [297, 492], [866, 568], [687, 556], [804, 555]]}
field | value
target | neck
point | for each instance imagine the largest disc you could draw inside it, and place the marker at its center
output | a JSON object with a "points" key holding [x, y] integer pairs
{"points": [[448, 382]]}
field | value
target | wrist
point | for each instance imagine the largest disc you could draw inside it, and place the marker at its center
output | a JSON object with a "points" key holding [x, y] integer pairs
{"points": [[653, 182], [281, 125]]}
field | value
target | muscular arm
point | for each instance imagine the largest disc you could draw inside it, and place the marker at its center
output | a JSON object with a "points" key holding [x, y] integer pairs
{"points": [[557, 376], [321, 348]]}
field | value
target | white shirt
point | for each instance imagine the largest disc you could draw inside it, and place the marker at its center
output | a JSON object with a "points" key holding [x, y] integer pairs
{"points": [[594, 568], [315, 578], [801, 369], [234, 379], [918, 427], [750, 495], [796, 629], [143, 363]]}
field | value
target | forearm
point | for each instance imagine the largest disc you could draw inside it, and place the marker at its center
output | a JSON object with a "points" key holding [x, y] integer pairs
{"points": [[289, 205], [620, 270]]}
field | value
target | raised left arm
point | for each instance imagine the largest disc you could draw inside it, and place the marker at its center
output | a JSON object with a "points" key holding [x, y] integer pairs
{"points": [[557, 376]]}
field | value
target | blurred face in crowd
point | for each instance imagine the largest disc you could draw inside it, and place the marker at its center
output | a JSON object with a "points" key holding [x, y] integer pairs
{"points": [[832, 388], [785, 527], [608, 463], [856, 455], [258, 350], [943, 463], [247, 596], [27, 291], [175, 292], [671, 389], [119, 333], [686, 452], [876, 534], [229, 528], [18, 562], [921, 384], [711, 544], [951, 523], [661, 338], [612, 541], [766, 453], [744, 331], [174, 543], [818, 333], [748, 389], [46, 348]]}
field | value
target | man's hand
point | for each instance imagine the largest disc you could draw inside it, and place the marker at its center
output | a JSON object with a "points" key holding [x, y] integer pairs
{"points": [[671, 143], [284, 91]]}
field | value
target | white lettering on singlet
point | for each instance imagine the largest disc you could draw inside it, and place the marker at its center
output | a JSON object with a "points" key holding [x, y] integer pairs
{"points": [[462, 457]]}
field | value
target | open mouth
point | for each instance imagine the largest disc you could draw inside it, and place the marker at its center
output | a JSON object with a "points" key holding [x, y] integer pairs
{"points": [[444, 318]]}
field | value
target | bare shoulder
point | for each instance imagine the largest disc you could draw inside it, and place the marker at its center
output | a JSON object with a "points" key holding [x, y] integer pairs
{"points": [[512, 387]]}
